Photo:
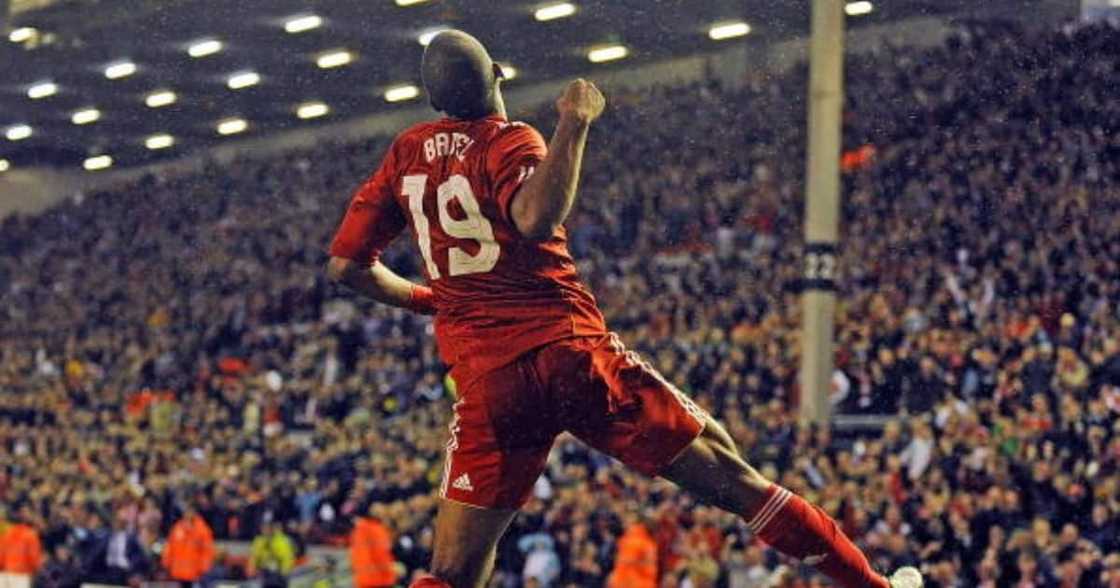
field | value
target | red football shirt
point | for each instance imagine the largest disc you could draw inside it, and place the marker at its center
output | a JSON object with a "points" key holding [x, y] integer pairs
{"points": [[497, 295]]}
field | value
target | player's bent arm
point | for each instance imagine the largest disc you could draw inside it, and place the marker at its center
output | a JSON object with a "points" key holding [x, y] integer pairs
{"points": [[544, 200], [381, 284]]}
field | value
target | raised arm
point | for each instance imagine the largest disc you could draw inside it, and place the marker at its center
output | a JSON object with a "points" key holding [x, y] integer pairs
{"points": [[544, 200]]}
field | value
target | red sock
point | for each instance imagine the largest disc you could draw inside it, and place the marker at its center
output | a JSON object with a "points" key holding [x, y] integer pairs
{"points": [[429, 582], [798, 529]]}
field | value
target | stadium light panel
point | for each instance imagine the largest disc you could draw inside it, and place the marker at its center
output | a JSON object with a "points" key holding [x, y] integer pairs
{"points": [[859, 8], [410, 2], [607, 53], [232, 126], [5, 165], [243, 79], [42, 90], [312, 110], [160, 98], [22, 34], [18, 132], [555, 11], [204, 47], [120, 70], [401, 93], [728, 30], [85, 116], [303, 23], [427, 36], [334, 59], [98, 163], [159, 141]]}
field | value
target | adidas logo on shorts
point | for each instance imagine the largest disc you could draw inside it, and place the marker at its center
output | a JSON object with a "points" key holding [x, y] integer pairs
{"points": [[463, 483]]}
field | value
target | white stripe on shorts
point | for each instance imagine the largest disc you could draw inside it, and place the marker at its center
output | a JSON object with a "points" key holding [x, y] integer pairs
{"points": [[452, 445]]}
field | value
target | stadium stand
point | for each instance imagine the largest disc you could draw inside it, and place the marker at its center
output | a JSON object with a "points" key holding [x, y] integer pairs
{"points": [[172, 343]]}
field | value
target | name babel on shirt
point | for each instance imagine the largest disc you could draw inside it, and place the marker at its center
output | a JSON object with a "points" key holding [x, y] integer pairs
{"points": [[452, 181]]}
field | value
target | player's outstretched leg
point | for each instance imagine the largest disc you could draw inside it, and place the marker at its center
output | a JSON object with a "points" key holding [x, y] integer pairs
{"points": [[624, 408], [712, 469], [465, 543]]}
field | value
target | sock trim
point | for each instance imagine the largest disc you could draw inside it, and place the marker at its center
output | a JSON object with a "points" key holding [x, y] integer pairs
{"points": [[774, 505], [786, 495]]}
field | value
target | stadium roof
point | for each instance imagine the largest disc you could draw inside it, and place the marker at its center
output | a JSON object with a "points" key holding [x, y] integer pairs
{"points": [[141, 80]]}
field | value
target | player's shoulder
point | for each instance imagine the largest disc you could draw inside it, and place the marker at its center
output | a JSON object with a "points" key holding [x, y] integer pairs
{"points": [[505, 127], [514, 134]]}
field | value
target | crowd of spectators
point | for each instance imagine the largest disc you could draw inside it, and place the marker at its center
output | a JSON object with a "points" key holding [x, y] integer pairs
{"points": [[172, 345]]}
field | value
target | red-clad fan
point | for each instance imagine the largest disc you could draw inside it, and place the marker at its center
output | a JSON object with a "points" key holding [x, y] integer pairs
{"points": [[486, 200]]}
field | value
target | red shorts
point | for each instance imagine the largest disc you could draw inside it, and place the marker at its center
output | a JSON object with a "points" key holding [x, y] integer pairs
{"points": [[506, 419]]}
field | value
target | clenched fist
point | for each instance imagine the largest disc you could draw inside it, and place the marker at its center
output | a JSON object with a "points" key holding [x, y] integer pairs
{"points": [[582, 101]]}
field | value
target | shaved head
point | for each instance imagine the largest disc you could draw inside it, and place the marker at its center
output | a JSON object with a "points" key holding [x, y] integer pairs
{"points": [[459, 76]]}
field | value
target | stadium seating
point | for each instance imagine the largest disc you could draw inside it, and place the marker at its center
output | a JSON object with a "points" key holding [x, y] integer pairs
{"points": [[173, 340]]}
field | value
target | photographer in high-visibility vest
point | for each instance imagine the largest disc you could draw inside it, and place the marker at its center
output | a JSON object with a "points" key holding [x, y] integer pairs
{"points": [[272, 555], [371, 550], [635, 562], [20, 550], [189, 552]]}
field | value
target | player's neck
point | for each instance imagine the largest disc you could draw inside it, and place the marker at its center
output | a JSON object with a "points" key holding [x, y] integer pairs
{"points": [[499, 104], [498, 111]]}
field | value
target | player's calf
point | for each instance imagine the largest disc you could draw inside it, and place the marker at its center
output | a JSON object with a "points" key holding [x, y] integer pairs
{"points": [[461, 569], [712, 469], [465, 543]]}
